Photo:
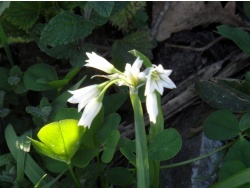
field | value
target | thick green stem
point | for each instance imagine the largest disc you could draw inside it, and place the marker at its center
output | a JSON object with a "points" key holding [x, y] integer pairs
{"points": [[142, 164], [78, 184]]}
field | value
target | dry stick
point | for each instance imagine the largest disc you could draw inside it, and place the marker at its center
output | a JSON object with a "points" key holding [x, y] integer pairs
{"points": [[158, 20], [196, 49]]}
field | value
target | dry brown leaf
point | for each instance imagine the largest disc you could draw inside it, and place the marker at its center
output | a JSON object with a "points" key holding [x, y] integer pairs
{"points": [[186, 15]]}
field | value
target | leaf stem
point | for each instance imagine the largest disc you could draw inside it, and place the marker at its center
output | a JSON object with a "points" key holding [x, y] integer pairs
{"points": [[198, 158], [142, 163], [100, 171], [78, 184]]}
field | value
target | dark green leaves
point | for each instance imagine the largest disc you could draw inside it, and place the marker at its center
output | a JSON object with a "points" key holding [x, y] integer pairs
{"points": [[23, 14], [238, 35], [165, 145], [65, 28], [221, 125], [102, 8], [38, 76]]}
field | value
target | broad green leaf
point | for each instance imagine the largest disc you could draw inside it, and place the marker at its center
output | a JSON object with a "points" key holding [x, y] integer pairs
{"points": [[240, 151], [59, 140], [83, 156], [165, 145], [220, 97], [104, 8], [221, 125], [240, 37], [3, 6], [97, 19], [23, 14], [54, 165], [236, 180], [67, 113], [113, 102], [38, 76], [229, 168], [65, 28], [245, 122], [110, 147], [127, 148], [119, 176], [109, 124], [31, 168], [146, 61]]}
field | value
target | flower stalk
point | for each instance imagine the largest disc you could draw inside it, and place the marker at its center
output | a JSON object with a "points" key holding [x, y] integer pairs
{"points": [[142, 163]]}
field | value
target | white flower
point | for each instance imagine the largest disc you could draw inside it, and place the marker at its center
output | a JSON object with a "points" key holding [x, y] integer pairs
{"points": [[131, 73], [152, 106], [90, 112], [100, 63], [84, 95], [157, 78]]}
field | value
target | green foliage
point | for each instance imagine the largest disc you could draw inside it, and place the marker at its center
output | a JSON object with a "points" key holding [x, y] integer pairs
{"points": [[59, 140], [221, 125], [23, 14], [124, 18], [240, 37], [119, 176], [65, 28], [164, 145], [102, 8]]}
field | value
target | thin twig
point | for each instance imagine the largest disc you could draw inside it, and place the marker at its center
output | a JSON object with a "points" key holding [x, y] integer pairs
{"points": [[159, 18], [196, 49]]}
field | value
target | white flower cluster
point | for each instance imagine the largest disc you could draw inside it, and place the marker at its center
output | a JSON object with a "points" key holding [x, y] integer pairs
{"points": [[90, 97]]}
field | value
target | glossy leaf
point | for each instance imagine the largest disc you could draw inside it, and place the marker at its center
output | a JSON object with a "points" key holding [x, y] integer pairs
{"points": [[240, 151], [219, 97], [245, 122], [38, 76], [54, 166], [229, 168], [221, 125], [59, 140], [110, 147], [164, 145]]}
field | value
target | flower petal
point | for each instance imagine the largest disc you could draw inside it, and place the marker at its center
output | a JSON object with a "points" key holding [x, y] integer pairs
{"points": [[90, 112], [152, 107]]}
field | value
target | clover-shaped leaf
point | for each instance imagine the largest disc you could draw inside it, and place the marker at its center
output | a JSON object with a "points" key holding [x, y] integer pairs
{"points": [[59, 140]]}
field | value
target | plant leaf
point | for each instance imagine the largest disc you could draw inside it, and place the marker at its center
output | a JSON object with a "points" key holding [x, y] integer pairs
{"points": [[103, 8], [110, 147], [240, 151], [38, 76], [221, 125], [23, 14], [60, 140], [119, 176], [65, 28], [244, 123], [164, 145]]}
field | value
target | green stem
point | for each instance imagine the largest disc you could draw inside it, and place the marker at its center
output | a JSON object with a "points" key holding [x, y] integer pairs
{"points": [[142, 163], [198, 158], [78, 184], [100, 171]]}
